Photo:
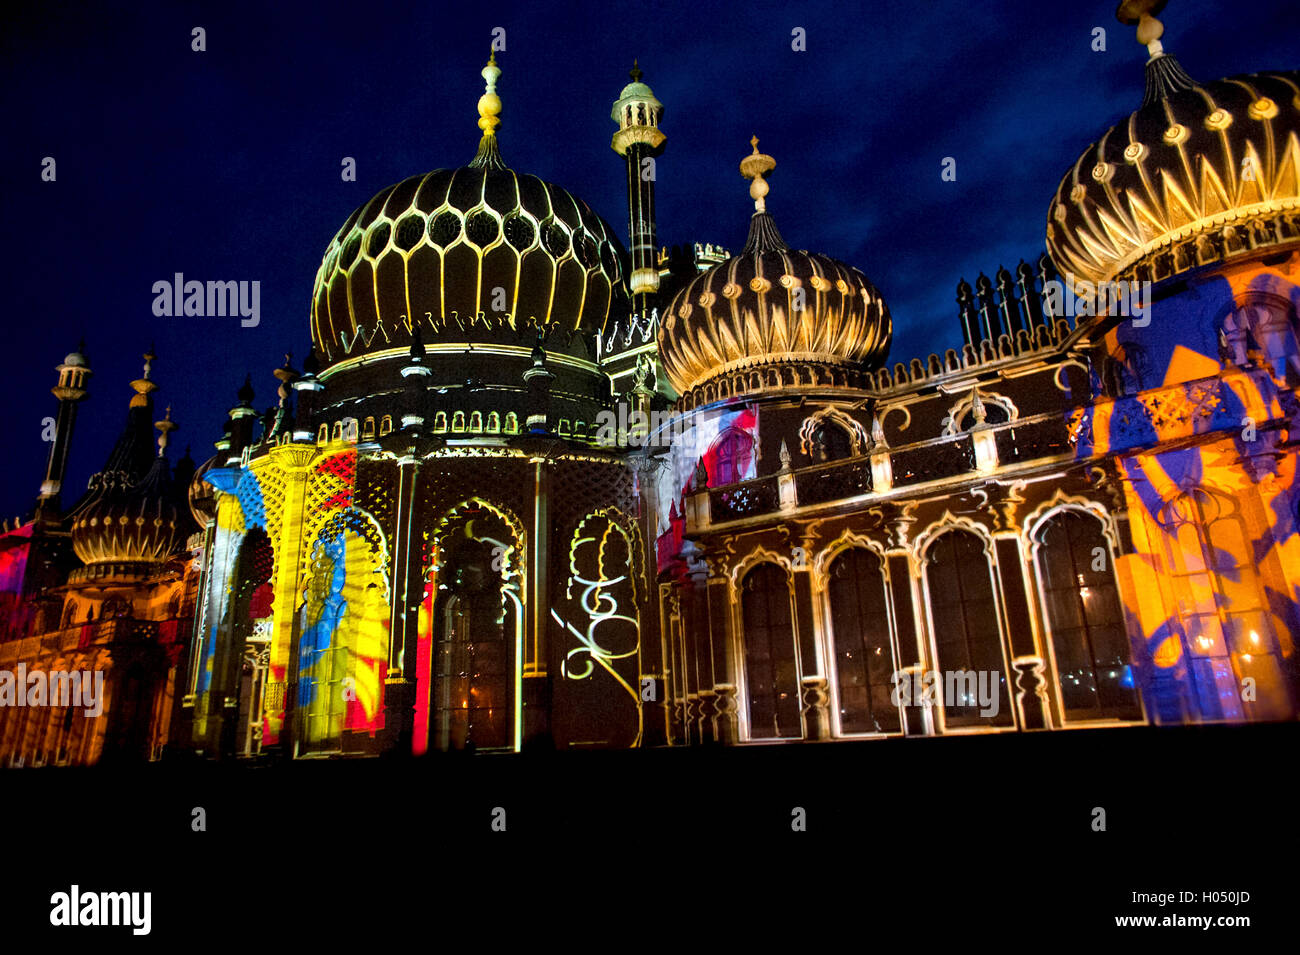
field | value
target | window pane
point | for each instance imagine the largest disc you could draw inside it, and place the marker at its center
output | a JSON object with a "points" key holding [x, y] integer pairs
{"points": [[771, 669], [863, 655], [1085, 620], [964, 617]]}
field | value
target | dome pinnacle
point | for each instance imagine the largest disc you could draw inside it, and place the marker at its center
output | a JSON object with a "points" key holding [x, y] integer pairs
{"points": [[489, 118], [754, 167]]}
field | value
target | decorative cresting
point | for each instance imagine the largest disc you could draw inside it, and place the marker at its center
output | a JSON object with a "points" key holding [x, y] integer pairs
{"points": [[1196, 175], [771, 306], [474, 254]]}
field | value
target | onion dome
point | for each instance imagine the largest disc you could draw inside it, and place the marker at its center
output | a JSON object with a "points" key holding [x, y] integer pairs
{"points": [[131, 523], [131, 516], [772, 307], [471, 254], [1198, 174]]}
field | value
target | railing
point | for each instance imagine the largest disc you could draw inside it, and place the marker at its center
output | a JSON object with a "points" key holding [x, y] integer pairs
{"points": [[933, 461], [1027, 440], [734, 501], [834, 481]]}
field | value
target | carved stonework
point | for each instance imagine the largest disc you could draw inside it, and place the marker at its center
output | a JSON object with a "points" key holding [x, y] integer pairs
{"points": [[816, 706]]}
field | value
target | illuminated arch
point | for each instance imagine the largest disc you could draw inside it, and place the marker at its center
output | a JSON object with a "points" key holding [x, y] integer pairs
{"points": [[858, 636], [1082, 611], [468, 619], [605, 631], [343, 648], [769, 671], [965, 616]]}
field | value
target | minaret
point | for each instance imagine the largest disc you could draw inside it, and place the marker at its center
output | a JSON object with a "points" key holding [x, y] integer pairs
{"points": [[638, 141], [74, 374]]}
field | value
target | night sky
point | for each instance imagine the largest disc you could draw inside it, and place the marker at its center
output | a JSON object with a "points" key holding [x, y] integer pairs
{"points": [[225, 164]]}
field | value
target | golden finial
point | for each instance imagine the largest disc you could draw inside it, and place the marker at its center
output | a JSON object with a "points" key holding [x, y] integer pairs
{"points": [[754, 167], [489, 104], [1142, 13], [166, 426]]}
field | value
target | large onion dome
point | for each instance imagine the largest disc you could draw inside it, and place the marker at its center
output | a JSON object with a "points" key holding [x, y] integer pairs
{"points": [[772, 307], [474, 254], [1200, 173]]}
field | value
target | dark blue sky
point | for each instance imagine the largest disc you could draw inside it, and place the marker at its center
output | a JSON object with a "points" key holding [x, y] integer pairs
{"points": [[225, 164]]}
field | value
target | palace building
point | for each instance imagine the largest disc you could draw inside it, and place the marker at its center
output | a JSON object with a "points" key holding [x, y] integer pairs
{"points": [[531, 488]]}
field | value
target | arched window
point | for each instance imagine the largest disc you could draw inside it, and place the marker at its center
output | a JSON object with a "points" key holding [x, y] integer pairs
{"points": [[1085, 619], [368, 427], [385, 425], [1227, 633], [476, 422], [830, 442], [458, 421], [477, 624], [343, 650], [116, 607], [323, 434], [864, 658], [69, 614], [440, 422], [512, 423], [493, 423], [732, 455], [968, 640], [771, 667]]}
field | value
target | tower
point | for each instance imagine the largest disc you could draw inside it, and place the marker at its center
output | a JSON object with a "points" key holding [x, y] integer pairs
{"points": [[639, 141], [74, 374]]}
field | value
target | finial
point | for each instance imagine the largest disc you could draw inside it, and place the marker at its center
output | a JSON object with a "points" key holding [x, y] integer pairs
{"points": [[489, 118], [166, 425], [977, 406], [489, 104], [784, 455], [635, 72], [754, 167], [1149, 29]]}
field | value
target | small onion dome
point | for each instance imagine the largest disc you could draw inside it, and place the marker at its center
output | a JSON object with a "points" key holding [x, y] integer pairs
{"points": [[202, 495], [131, 523], [75, 360], [1198, 173], [470, 254], [771, 305]]}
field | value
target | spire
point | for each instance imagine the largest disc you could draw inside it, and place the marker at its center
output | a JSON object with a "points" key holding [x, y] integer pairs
{"points": [[635, 72], [286, 375], [1164, 75], [489, 118], [763, 234], [144, 385]]}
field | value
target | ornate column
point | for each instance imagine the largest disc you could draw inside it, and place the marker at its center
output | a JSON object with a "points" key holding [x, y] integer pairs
{"points": [[281, 697], [1026, 657], [407, 594], [815, 689]]}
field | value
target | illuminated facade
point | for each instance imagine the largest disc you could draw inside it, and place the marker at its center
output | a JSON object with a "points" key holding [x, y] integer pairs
{"points": [[532, 490]]}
